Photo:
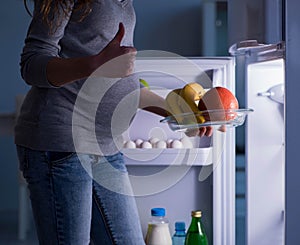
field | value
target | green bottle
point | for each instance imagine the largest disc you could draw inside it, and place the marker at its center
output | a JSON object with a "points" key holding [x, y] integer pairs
{"points": [[196, 234]]}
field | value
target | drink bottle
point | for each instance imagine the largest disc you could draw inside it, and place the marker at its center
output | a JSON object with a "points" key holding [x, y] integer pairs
{"points": [[179, 236], [196, 233], [158, 232]]}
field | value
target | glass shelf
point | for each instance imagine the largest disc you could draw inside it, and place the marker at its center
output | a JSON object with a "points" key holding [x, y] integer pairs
{"points": [[186, 121]]}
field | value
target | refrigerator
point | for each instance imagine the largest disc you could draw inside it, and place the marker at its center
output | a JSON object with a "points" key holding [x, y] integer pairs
{"points": [[198, 177], [202, 176]]}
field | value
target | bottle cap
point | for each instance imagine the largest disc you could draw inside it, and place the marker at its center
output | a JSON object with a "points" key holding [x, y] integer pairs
{"points": [[197, 214], [180, 226], [158, 212]]}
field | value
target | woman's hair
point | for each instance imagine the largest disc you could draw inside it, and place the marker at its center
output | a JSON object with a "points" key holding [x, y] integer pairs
{"points": [[51, 7]]}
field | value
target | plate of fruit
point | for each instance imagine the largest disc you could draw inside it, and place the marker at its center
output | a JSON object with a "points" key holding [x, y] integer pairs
{"points": [[193, 107]]}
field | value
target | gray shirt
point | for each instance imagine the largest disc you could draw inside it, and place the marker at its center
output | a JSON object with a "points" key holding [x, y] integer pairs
{"points": [[47, 120]]}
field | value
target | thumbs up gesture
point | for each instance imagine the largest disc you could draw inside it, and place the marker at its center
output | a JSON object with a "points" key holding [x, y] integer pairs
{"points": [[116, 60]]}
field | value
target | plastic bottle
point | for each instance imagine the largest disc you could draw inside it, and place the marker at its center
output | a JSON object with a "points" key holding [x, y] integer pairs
{"points": [[179, 236], [158, 232], [196, 233]]}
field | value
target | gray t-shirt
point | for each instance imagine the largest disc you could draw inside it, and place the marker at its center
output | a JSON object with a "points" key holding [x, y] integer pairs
{"points": [[48, 121]]}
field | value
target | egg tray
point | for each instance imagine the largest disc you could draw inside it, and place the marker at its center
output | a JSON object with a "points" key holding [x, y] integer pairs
{"points": [[185, 121]]}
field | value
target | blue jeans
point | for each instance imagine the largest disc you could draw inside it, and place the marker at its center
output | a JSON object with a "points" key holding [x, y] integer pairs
{"points": [[80, 199]]}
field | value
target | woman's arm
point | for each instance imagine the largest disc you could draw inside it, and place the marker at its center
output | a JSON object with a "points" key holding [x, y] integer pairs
{"points": [[152, 102]]}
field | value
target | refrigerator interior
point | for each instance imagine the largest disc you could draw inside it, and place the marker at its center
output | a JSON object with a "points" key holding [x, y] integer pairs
{"points": [[182, 180], [265, 153]]}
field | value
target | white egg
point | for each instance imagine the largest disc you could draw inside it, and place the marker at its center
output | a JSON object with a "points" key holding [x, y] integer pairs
{"points": [[129, 144], [138, 143], [161, 144], [176, 144], [146, 145], [169, 142], [153, 141], [186, 142]]}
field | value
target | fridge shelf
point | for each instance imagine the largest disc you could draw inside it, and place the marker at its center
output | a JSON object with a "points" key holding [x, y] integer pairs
{"points": [[168, 157], [186, 121]]}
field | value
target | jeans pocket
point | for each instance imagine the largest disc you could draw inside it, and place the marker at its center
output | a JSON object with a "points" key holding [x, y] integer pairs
{"points": [[59, 157]]}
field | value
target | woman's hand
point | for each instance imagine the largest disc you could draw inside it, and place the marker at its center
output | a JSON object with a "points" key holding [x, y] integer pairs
{"points": [[202, 131], [116, 60]]}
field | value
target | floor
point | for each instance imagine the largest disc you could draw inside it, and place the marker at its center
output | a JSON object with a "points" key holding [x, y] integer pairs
{"points": [[8, 220]]}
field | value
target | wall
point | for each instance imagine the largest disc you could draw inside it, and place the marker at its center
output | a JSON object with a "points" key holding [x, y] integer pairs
{"points": [[173, 26], [13, 26], [246, 20]]}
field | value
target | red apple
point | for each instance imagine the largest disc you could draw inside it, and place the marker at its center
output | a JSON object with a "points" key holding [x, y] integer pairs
{"points": [[221, 99]]}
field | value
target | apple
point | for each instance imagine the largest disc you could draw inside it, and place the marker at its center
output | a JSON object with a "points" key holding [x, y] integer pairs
{"points": [[221, 99]]}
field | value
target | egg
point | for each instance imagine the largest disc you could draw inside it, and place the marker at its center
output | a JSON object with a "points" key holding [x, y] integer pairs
{"points": [[176, 144], [146, 145], [153, 141], [138, 143], [129, 144], [169, 142], [186, 142], [161, 144]]}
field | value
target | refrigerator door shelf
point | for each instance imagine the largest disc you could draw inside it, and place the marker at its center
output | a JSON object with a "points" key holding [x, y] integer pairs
{"points": [[256, 52], [168, 157]]}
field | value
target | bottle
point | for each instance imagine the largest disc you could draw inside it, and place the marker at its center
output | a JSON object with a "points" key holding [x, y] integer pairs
{"points": [[179, 236], [196, 233], [158, 232]]}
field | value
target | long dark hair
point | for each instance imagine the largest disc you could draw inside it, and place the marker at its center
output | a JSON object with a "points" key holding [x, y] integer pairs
{"points": [[50, 7]]}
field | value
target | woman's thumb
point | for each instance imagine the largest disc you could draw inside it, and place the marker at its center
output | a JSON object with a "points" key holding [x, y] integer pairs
{"points": [[120, 34]]}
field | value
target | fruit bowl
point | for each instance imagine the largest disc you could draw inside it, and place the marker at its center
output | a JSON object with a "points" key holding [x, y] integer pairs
{"points": [[184, 121]]}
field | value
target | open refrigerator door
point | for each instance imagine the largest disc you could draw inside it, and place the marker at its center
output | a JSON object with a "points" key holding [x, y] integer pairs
{"points": [[263, 72]]}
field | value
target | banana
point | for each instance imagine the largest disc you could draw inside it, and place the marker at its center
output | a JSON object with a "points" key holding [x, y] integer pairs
{"points": [[190, 93], [172, 101]]}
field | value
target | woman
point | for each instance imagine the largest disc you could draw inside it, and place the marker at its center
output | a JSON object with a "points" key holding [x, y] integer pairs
{"points": [[76, 197]]}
